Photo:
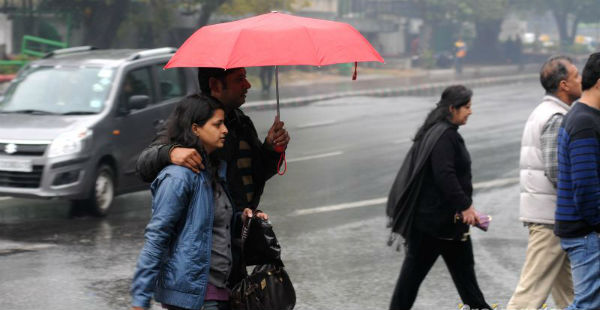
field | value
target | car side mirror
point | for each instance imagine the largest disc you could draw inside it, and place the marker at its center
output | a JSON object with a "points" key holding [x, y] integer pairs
{"points": [[137, 102]]}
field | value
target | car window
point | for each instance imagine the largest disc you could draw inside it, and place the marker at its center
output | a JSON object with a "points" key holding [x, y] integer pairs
{"points": [[171, 82], [136, 82], [59, 90]]}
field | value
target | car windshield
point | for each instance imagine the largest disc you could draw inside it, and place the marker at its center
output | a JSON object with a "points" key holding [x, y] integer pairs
{"points": [[58, 90]]}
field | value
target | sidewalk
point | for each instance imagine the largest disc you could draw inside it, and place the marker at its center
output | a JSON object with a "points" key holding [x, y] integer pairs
{"points": [[387, 83]]}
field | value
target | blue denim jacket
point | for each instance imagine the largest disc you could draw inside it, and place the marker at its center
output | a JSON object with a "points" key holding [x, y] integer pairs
{"points": [[175, 260]]}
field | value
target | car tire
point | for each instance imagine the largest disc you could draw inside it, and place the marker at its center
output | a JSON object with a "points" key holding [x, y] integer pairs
{"points": [[101, 194]]}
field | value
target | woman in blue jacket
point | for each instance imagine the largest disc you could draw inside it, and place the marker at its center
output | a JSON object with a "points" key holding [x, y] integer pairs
{"points": [[186, 260]]}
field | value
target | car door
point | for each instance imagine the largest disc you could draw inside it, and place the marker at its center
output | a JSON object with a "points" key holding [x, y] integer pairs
{"points": [[140, 127], [136, 127], [171, 86]]}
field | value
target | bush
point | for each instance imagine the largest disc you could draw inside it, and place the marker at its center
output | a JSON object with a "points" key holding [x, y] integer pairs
{"points": [[427, 59], [578, 49], [10, 68]]}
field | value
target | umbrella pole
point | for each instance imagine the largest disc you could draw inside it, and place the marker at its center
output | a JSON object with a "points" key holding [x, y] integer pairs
{"points": [[277, 88], [279, 149]]}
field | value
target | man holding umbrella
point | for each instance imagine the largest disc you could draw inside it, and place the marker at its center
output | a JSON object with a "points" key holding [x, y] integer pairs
{"points": [[250, 162]]}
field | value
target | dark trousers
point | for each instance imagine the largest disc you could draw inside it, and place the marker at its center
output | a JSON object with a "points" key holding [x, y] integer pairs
{"points": [[423, 250]]}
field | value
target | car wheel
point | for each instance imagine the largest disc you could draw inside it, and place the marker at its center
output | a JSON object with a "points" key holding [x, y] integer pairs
{"points": [[101, 194]]}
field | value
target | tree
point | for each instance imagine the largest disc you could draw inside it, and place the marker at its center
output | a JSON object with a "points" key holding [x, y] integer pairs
{"points": [[242, 7], [148, 25], [208, 8], [436, 15], [485, 15], [100, 18], [568, 15]]}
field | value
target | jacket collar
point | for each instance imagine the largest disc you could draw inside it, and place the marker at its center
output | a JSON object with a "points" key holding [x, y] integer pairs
{"points": [[554, 99]]}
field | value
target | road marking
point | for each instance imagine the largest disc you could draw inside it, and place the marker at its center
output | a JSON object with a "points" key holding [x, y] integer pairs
{"points": [[495, 183], [402, 141], [342, 206], [382, 200], [317, 124], [5, 198], [315, 156]]}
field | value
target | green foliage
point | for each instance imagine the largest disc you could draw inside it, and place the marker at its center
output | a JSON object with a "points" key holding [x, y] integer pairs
{"points": [[244, 7], [482, 10], [579, 10], [146, 22], [584, 10], [462, 10], [583, 49], [13, 68], [427, 60]]}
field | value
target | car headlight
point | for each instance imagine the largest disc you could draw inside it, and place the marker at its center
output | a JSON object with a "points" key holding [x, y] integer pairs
{"points": [[71, 142]]}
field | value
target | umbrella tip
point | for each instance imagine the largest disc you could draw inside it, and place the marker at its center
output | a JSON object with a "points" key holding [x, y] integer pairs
{"points": [[274, 11]]}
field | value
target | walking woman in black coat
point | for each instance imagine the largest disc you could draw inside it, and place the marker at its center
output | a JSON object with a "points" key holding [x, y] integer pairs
{"points": [[432, 188]]}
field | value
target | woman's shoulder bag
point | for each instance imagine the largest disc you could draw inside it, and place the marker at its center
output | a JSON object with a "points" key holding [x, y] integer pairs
{"points": [[268, 286]]}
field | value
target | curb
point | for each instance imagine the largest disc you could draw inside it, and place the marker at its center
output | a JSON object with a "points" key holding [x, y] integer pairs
{"points": [[414, 90]]}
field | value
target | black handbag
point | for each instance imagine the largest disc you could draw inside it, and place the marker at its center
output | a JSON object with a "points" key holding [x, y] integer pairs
{"points": [[260, 246], [268, 287]]}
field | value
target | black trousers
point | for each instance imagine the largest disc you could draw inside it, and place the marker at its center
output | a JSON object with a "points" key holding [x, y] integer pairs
{"points": [[423, 250]]}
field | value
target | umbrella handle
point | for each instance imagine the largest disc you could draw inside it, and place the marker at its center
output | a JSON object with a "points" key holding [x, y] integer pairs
{"points": [[282, 158]]}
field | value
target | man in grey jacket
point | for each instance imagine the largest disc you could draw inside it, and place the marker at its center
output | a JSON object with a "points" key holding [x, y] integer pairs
{"points": [[546, 269]]}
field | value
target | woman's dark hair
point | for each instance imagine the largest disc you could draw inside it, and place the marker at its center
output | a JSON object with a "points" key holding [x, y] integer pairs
{"points": [[194, 109], [453, 96]]}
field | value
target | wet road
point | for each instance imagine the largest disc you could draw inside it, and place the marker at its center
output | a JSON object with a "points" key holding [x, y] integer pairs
{"points": [[327, 211]]}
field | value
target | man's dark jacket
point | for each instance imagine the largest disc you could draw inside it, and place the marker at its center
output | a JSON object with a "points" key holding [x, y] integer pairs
{"points": [[404, 195], [264, 159]]}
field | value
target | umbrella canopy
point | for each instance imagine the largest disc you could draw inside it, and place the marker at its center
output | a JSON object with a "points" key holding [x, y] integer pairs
{"points": [[273, 39]]}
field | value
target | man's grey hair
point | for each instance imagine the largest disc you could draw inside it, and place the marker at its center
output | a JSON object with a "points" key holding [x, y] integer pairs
{"points": [[553, 71]]}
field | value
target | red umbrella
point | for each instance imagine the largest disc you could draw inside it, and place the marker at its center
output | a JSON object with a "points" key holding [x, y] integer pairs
{"points": [[274, 39]]}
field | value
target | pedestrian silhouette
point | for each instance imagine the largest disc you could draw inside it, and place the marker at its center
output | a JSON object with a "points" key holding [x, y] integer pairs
{"points": [[266, 77]]}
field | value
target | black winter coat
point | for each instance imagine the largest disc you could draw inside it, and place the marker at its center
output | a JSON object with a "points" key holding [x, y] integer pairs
{"points": [[446, 187], [420, 199]]}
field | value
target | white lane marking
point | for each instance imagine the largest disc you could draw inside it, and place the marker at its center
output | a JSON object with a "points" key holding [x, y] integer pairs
{"points": [[402, 141], [495, 183], [5, 198], [315, 156], [377, 201], [317, 124], [341, 206]]}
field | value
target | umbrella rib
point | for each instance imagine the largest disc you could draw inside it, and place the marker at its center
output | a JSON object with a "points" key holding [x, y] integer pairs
{"points": [[239, 34], [313, 44]]}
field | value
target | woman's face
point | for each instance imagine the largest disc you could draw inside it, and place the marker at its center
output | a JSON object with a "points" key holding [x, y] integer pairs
{"points": [[213, 132], [460, 115]]}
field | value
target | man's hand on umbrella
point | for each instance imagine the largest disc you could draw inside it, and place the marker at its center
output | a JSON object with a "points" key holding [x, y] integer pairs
{"points": [[278, 135], [187, 157]]}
